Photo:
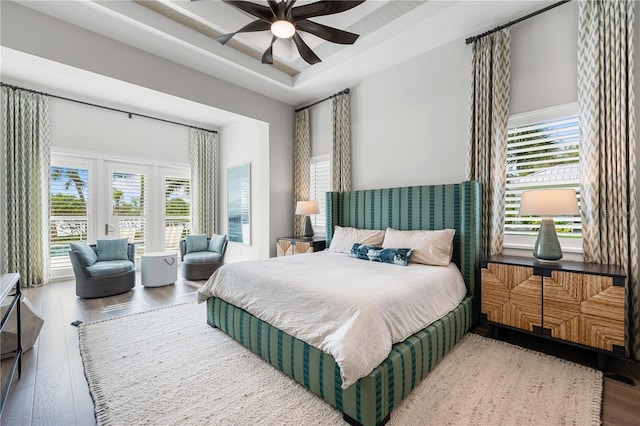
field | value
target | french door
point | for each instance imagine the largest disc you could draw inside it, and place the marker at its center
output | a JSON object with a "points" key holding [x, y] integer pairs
{"points": [[94, 198], [127, 199]]}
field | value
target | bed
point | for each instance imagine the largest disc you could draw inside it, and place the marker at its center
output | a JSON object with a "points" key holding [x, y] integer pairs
{"points": [[370, 400]]}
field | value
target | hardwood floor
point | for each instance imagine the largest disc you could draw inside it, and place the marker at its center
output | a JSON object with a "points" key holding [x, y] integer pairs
{"points": [[54, 391]]}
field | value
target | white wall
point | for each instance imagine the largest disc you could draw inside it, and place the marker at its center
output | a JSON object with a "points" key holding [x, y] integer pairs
{"points": [[241, 144], [31, 32], [79, 128], [410, 122]]}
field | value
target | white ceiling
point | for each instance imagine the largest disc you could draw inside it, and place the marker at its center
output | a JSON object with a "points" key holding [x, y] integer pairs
{"points": [[183, 31]]}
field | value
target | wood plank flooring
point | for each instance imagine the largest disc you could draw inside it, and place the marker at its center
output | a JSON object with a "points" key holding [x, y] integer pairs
{"points": [[54, 391]]}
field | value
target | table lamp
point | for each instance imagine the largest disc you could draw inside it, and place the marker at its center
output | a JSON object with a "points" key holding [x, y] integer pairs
{"points": [[547, 203], [306, 208]]}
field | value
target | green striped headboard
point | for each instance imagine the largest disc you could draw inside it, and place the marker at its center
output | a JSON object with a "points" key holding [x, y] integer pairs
{"points": [[456, 206]]}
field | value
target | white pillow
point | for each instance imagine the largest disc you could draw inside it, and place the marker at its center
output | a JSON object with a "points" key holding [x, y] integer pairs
{"points": [[345, 237], [429, 247]]}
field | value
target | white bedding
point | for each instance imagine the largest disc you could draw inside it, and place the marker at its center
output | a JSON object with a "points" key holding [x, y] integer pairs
{"points": [[352, 309]]}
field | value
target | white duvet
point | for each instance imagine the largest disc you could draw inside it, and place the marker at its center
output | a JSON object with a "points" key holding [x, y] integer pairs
{"points": [[352, 309]]}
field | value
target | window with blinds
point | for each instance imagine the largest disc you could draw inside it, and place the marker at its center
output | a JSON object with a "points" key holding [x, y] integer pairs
{"points": [[69, 212], [541, 153], [177, 211], [128, 207], [319, 185]]}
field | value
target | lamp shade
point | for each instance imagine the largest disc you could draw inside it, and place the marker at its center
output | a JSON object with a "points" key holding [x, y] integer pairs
{"points": [[307, 207], [549, 202]]}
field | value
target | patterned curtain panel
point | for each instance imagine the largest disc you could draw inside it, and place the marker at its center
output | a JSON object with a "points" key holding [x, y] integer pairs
{"points": [[608, 147], [25, 214], [341, 154], [488, 116], [203, 153], [302, 157]]}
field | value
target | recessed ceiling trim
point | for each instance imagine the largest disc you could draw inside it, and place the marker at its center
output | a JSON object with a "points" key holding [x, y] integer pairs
{"points": [[183, 17]]}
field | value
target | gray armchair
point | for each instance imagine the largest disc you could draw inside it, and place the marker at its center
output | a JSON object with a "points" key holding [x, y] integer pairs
{"points": [[103, 278], [199, 265]]}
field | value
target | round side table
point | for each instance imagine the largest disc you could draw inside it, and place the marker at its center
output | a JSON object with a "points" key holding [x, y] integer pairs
{"points": [[159, 269]]}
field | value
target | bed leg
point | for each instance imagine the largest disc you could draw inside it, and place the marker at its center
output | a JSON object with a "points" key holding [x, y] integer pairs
{"points": [[353, 422], [211, 324]]}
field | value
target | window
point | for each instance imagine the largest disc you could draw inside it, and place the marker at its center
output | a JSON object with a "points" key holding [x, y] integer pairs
{"points": [[542, 152], [319, 185], [69, 212], [177, 211]]}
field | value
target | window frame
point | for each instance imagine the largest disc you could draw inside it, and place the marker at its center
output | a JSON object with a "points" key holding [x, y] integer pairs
{"points": [[320, 228], [525, 242]]}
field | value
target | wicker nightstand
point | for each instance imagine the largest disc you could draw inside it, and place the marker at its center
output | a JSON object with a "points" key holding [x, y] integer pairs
{"points": [[287, 246], [578, 303]]}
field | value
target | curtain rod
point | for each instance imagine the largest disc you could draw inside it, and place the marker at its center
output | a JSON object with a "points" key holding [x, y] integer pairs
{"points": [[130, 114], [501, 27], [345, 91]]}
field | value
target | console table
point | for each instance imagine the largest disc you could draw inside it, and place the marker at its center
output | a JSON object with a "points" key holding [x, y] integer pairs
{"points": [[10, 282]]}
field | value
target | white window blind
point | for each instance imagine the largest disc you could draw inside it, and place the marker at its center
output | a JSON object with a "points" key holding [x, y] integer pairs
{"points": [[128, 206], [541, 154], [319, 185], [177, 211], [69, 212]]}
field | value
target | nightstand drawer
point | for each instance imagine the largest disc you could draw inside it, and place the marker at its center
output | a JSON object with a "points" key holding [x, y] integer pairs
{"points": [[287, 246]]}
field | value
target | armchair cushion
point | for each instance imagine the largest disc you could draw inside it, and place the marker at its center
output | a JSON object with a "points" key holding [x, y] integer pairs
{"points": [[109, 267], [202, 257], [196, 243], [86, 252], [217, 243], [112, 249]]}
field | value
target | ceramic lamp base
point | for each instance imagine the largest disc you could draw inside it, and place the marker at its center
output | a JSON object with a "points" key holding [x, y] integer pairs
{"points": [[307, 230], [547, 247]]}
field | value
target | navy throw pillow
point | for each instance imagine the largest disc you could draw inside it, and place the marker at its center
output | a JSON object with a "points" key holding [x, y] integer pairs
{"points": [[395, 256]]}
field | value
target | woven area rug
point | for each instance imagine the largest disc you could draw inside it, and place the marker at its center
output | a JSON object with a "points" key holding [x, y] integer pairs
{"points": [[169, 367], [195, 284]]}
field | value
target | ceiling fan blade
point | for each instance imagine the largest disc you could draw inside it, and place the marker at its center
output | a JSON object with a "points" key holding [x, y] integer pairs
{"points": [[288, 8], [321, 8], [256, 25], [333, 35], [273, 5], [267, 58], [305, 51], [257, 10]]}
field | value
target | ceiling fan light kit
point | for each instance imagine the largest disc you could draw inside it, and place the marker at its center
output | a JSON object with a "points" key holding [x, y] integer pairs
{"points": [[284, 21], [283, 29]]}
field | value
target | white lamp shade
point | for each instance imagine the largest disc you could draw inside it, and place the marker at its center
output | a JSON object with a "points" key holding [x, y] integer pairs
{"points": [[549, 202], [307, 207]]}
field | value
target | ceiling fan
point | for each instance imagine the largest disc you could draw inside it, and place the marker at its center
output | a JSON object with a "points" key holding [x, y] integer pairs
{"points": [[285, 21]]}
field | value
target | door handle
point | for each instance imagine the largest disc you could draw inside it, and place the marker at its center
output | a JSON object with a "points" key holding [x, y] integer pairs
{"points": [[107, 230]]}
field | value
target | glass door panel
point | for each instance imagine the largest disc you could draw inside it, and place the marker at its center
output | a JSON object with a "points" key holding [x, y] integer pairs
{"points": [[128, 205]]}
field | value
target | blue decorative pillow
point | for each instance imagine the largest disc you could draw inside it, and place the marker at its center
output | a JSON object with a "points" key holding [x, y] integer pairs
{"points": [[112, 249], [217, 243], [197, 242], [86, 252], [396, 256]]}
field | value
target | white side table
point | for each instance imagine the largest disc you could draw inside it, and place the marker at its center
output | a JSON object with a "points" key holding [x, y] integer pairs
{"points": [[159, 269]]}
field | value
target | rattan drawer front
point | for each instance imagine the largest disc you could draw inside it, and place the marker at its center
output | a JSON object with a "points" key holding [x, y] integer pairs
{"points": [[511, 296], [302, 247], [585, 309]]}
